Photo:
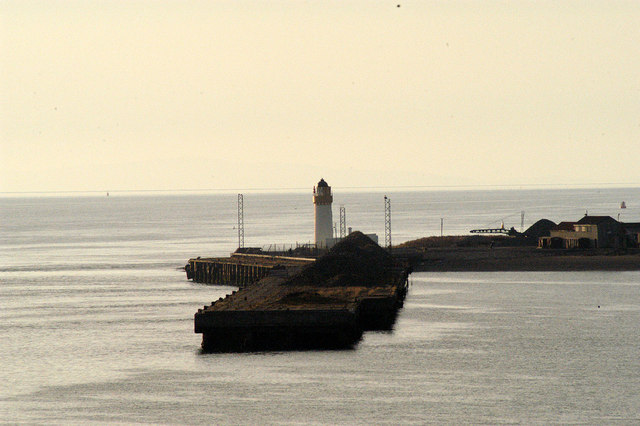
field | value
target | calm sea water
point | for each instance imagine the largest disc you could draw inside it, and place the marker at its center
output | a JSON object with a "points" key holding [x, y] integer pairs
{"points": [[96, 318]]}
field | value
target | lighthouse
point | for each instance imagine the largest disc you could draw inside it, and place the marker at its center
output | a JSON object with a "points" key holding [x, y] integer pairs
{"points": [[322, 200]]}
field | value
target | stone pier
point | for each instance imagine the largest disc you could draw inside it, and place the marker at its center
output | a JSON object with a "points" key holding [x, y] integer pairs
{"points": [[355, 287]]}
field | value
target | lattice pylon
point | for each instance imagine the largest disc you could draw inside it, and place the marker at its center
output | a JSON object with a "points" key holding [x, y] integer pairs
{"points": [[387, 223], [343, 222], [240, 221]]}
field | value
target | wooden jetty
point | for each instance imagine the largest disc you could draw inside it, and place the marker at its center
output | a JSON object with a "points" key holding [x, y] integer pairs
{"points": [[329, 303], [239, 269]]}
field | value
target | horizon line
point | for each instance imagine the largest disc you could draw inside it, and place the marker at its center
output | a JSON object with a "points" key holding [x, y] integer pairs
{"points": [[276, 189]]}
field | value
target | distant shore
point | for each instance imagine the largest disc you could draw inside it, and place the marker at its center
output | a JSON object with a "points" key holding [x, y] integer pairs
{"points": [[434, 257], [529, 259]]}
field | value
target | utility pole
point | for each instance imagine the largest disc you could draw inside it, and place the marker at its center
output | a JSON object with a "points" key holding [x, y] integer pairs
{"points": [[441, 226], [240, 221]]}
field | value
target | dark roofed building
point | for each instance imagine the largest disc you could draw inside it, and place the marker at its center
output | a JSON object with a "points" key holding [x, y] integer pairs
{"points": [[588, 232]]}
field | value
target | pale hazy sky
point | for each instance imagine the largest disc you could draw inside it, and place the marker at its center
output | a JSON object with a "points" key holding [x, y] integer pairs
{"points": [[167, 95]]}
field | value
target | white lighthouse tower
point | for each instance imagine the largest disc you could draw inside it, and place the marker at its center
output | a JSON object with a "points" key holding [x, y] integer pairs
{"points": [[322, 200]]}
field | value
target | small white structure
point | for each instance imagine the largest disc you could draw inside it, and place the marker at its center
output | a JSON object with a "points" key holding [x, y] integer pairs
{"points": [[322, 200]]}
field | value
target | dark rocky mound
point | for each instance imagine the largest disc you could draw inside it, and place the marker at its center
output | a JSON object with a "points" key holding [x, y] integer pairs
{"points": [[539, 229], [356, 260]]}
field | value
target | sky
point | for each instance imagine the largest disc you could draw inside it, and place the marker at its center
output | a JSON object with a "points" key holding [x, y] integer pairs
{"points": [[199, 95]]}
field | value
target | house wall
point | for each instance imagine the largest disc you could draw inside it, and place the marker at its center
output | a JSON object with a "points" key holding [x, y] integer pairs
{"points": [[571, 239]]}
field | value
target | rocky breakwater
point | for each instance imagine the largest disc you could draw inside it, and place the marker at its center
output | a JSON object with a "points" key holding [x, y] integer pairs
{"points": [[356, 286]]}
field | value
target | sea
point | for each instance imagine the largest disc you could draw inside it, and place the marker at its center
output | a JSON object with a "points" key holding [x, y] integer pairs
{"points": [[96, 316]]}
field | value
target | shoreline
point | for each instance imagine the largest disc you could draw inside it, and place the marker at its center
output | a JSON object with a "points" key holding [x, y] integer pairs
{"points": [[456, 259]]}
